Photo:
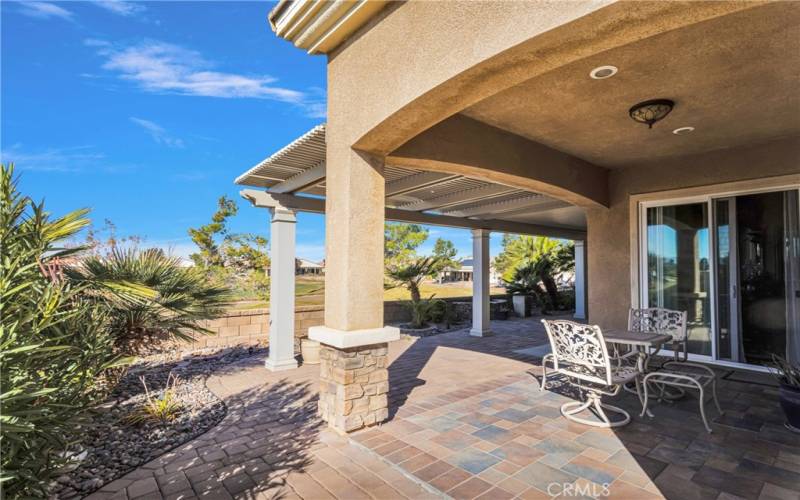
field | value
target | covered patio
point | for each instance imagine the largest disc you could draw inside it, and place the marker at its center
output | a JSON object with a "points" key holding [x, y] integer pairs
{"points": [[468, 421]]}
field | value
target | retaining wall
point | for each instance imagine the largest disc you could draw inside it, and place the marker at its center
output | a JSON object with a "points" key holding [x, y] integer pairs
{"points": [[251, 326]]}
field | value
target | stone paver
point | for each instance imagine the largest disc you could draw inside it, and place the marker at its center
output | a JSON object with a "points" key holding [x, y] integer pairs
{"points": [[467, 420]]}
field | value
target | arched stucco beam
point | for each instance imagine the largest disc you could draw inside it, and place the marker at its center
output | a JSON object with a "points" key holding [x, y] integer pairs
{"points": [[464, 146], [474, 79]]}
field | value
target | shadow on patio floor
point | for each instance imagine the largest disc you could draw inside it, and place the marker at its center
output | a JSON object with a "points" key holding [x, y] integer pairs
{"points": [[468, 418]]}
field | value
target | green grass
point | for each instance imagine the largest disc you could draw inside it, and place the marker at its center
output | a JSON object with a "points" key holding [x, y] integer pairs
{"points": [[311, 292]]}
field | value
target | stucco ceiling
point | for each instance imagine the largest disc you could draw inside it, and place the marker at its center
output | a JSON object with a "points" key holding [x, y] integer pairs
{"points": [[736, 79]]}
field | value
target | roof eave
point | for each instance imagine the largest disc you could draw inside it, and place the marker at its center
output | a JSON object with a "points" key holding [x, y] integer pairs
{"points": [[319, 26]]}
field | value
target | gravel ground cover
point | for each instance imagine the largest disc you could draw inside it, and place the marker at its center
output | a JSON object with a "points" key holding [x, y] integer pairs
{"points": [[114, 445]]}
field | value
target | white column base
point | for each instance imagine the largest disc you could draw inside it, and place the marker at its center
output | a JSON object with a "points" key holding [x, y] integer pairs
{"points": [[280, 365], [480, 333]]}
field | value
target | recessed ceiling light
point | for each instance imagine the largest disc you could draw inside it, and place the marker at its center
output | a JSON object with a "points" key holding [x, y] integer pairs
{"points": [[603, 72], [683, 130]]}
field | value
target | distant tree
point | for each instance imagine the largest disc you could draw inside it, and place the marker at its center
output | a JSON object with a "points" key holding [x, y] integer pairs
{"points": [[104, 240], [207, 237], [239, 261], [401, 242], [445, 253], [245, 252]]}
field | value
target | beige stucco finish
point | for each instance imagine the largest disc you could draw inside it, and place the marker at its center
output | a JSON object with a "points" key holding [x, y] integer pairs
{"points": [[408, 87], [421, 62], [354, 218], [721, 73], [465, 146]]}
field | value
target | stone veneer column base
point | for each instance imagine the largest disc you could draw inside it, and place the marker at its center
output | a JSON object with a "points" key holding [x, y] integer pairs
{"points": [[354, 383]]}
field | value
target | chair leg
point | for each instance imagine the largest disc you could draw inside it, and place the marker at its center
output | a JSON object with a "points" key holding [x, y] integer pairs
{"points": [[714, 395], [644, 402], [545, 359], [702, 408], [570, 410]]}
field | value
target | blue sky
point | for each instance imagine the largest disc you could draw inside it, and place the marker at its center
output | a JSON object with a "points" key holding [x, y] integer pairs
{"points": [[146, 112]]}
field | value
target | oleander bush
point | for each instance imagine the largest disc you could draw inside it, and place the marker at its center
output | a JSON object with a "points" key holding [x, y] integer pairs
{"points": [[54, 345]]}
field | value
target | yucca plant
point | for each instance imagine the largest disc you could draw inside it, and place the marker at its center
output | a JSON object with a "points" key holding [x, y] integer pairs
{"points": [[54, 348], [182, 297], [162, 409]]}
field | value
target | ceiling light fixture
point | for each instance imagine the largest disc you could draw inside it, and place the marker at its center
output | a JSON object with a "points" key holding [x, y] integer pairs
{"points": [[683, 130], [603, 72], [649, 112]]}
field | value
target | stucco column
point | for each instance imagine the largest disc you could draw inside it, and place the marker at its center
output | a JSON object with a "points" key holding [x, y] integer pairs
{"points": [[353, 361], [281, 300], [480, 283], [580, 279]]}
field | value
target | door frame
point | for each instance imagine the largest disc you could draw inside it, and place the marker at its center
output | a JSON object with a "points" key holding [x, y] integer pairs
{"points": [[638, 204]]}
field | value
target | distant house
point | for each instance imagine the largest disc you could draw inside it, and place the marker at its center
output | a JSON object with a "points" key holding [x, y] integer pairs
{"points": [[463, 272], [307, 267]]}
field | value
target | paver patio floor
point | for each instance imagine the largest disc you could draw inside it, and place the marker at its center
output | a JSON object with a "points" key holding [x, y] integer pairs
{"points": [[468, 421]]}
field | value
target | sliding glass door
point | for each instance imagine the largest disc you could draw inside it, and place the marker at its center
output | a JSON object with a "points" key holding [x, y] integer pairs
{"points": [[678, 266], [733, 263]]}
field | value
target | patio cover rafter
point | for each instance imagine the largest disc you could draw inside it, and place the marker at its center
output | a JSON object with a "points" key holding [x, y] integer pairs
{"points": [[263, 199], [415, 195]]}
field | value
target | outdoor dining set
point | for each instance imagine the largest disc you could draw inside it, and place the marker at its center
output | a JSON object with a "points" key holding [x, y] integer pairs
{"points": [[604, 363]]}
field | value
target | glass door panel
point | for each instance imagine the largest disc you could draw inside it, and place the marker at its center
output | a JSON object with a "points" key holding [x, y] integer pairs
{"points": [[728, 344], [678, 271]]}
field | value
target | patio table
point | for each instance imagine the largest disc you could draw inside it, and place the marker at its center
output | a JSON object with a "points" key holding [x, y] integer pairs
{"points": [[644, 342]]}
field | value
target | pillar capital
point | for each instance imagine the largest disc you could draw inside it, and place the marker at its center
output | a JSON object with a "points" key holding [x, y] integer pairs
{"points": [[283, 214]]}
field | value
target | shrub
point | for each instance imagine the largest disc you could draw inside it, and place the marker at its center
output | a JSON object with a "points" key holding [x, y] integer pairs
{"points": [[161, 409], [423, 310], [54, 348], [181, 298]]}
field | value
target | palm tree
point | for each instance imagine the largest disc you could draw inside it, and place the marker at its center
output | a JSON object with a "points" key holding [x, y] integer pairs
{"points": [[180, 297], [410, 276], [536, 257]]}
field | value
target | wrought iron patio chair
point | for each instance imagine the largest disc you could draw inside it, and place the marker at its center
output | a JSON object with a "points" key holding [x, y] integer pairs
{"points": [[580, 354], [678, 372]]}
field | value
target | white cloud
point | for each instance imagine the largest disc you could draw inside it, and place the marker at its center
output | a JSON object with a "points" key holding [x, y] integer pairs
{"points": [[52, 160], [158, 133], [44, 10], [120, 7], [75, 159], [166, 68]]}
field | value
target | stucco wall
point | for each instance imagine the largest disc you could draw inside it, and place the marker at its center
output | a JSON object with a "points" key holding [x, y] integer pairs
{"points": [[609, 236]]}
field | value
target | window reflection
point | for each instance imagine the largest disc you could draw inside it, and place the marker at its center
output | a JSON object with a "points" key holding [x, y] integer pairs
{"points": [[678, 267]]}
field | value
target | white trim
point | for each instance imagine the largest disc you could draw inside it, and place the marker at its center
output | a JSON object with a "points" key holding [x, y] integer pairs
{"points": [[342, 339]]}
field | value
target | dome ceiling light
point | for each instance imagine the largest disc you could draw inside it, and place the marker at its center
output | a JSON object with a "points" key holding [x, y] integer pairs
{"points": [[603, 72], [649, 112]]}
